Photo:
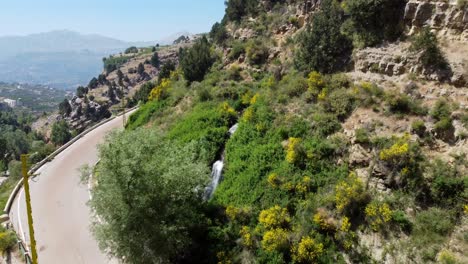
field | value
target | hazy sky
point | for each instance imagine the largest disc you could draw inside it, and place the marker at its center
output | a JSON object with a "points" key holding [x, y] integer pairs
{"points": [[131, 20]]}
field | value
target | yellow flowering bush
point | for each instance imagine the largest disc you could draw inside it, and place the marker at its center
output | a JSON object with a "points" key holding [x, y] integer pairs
{"points": [[245, 99], [322, 95], [234, 213], [160, 91], [246, 236], [248, 115], [288, 186], [324, 220], [268, 83], [223, 258], [274, 180], [275, 239], [465, 209], [378, 214], [175, 74], [396, 151], [292, 152], [304, 185], [307, 251], [254, 99], [315, 82], [274, 217], [348, 191], [345, 224], [227, 110]]}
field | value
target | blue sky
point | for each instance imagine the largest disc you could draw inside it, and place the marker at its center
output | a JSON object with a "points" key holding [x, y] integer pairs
{"points": [[131, 20]]}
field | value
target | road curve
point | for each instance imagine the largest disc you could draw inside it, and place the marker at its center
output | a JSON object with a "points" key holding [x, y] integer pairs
{"points": [[61, 216]]}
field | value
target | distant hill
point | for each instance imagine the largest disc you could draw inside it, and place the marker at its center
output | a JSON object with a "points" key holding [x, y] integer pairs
{"points": [[62, 59]]}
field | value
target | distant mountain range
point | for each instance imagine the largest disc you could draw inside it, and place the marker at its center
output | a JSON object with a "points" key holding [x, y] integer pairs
{"points": [[62, 59]]}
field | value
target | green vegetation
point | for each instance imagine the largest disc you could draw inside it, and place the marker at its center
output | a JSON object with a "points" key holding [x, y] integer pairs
{"points": [[60, 133], [218, 33], [8, 239], [323, 47], [135, 200], [236, 9], [196, 61], [113, 63], [370, 22], [427, 45], [296, 187], [132, 49], [155, 60]]}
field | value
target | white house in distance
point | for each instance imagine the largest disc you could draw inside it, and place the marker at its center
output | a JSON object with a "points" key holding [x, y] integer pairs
{"points": [[11, 103]]}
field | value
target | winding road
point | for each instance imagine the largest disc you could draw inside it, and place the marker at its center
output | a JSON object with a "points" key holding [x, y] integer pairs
{"points": [[59, 202]]}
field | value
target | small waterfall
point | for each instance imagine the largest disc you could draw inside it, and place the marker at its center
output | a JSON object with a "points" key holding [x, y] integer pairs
{"points": [[217, 171]]}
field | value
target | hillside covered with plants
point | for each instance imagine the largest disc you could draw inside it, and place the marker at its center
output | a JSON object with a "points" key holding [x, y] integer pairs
{"points": [[329, 163]]}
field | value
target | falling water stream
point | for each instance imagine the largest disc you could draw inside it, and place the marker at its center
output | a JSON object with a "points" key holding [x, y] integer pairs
{"points": [[217, 171]]}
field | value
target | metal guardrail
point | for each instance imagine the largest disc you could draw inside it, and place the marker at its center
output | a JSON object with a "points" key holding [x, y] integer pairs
{"points": [[21, 244], [24, 251]]}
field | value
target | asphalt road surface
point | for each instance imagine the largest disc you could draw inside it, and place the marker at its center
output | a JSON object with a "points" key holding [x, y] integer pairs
{"points": [[61, 216]]}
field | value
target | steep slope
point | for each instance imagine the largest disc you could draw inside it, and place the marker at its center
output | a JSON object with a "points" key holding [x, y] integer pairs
{"points": [[351, 142]]}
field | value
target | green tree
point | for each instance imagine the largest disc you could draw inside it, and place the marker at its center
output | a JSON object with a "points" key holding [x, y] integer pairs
{"points": [[60, 133], [132, 49], [373, 21], [65, 108], [141, 68], [155, 60], [166, 70], [236, 9], [93, 83], [148, 197], [81, 91], [218, 33], [323, 47], [196, 61]]}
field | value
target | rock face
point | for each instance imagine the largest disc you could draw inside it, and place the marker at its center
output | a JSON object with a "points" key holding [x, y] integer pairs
{"points": [[396, 59], [448, 18], [359, 156]]}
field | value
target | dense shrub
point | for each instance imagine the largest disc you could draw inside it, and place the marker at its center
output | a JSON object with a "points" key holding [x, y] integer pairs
{"points": [[402, 104], [448, 187], [257, 52], [441, 112], [430, 229], [418, 127], [60, 133], [340, 102], [8, 239], [427, 45], [323, 47], [237, 49]]}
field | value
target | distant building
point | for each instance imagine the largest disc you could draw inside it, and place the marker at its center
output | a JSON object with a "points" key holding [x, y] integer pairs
{"points": [[12, 103]]}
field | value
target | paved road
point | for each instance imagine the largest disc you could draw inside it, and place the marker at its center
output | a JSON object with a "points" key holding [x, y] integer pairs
{"points": [[61, 215]]}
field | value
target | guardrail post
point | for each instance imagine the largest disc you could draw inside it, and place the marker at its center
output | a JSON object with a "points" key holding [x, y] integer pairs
{"points": [[24, 161]]}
